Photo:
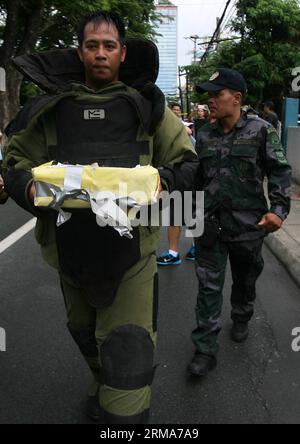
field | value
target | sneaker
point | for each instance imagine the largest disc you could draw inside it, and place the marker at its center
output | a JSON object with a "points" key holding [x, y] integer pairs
{"points": [[239, 332], [201, 364], [191, 254], [168, 259]]}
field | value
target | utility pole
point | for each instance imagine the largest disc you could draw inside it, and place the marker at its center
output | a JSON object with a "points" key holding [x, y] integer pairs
{"points": [[194, 39], [187, 93], [180, 87], [183, 72]]}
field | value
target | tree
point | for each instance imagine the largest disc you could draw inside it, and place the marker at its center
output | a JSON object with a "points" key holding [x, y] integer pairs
{"points": [[29, 25], [267, 51]]}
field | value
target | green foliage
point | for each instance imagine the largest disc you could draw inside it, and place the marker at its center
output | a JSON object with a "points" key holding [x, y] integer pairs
{"points": [[267, 51], [63, 17]]}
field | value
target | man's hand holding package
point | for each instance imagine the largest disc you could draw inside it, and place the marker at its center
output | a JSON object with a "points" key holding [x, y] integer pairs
{"points": [[31, 192], [271, 222]]}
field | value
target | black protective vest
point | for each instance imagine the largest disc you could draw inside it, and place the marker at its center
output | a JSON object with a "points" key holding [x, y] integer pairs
{"points": [[103, 131]]}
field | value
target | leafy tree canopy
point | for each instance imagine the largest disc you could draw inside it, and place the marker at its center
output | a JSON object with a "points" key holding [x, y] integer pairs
{"points": [[56, 20], [266, 53]]}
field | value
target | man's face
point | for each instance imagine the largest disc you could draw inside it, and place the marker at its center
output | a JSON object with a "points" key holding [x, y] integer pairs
{"points": [[266, 109], [223, 103], [176, 110], [101, 53]]}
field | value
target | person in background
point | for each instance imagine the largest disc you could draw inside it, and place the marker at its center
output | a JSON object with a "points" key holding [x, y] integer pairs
{"points": [[269, 114], [201, 118], [172, 256], [176, 109]]}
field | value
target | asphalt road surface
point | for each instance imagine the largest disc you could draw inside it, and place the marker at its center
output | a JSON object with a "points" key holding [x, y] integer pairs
{"points": [[43, 378]]}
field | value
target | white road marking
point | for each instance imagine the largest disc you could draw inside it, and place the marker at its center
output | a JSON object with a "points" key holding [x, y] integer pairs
{"points": [[17, 235]]}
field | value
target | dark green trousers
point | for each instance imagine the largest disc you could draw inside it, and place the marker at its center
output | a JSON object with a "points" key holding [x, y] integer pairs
{"points": [[246, 265], [118, 342]]}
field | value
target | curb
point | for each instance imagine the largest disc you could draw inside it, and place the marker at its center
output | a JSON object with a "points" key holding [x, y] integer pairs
{"points": [[287, 251]]}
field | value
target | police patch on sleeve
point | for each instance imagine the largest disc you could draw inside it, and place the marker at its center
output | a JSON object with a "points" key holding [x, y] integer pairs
{"points": [[273, 136], [281, 157]]}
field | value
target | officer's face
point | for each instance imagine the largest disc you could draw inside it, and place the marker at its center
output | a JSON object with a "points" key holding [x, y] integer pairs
{"points": [[224, 103], [101, 53]]}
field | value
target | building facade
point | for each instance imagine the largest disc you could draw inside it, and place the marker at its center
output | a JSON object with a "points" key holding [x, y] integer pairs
{"points": [[167, 46]]}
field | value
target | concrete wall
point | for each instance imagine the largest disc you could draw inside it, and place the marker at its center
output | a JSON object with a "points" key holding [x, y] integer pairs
{"points": [[293, 151]]}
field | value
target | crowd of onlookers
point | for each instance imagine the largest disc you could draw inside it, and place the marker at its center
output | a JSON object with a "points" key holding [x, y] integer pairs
{"points": [[194, 120], [200, 115]]}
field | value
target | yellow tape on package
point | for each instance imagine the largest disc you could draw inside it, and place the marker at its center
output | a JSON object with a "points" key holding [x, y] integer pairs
{"points": [[140, 184]]}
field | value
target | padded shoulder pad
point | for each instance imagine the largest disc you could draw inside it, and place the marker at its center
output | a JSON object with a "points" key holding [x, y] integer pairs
{"points": [[30, 109], [54, 71]]}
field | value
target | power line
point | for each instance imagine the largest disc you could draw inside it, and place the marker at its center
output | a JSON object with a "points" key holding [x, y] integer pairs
{"points": [[216, 33], [229, 16], [220, 40]]}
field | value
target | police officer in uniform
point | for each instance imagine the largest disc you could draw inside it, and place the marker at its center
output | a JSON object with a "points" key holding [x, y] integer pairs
{"points": [[236, 153], [109, 283]]}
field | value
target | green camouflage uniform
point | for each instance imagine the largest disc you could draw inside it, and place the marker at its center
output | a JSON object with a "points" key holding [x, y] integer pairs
{"points": [[231, 173]]}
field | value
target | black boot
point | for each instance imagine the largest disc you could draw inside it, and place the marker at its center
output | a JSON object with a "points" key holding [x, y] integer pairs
{"points": [[239, 332], [201, 364]]}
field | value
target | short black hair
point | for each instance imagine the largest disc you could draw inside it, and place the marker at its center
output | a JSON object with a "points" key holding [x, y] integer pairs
{"points": [[102, 17], [269, 104], [175, 104], [244, 95]]}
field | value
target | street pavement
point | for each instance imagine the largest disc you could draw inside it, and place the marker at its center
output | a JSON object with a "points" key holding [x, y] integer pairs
{"points": [[43, 379], [285, 244], [11, 218]]}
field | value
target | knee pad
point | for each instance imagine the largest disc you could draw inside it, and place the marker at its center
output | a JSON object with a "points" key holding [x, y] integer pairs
{"points": [[85, 339], [127, 358]]}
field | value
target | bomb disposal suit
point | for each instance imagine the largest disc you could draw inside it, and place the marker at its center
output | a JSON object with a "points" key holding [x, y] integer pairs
{"points": [[109, 282]]}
